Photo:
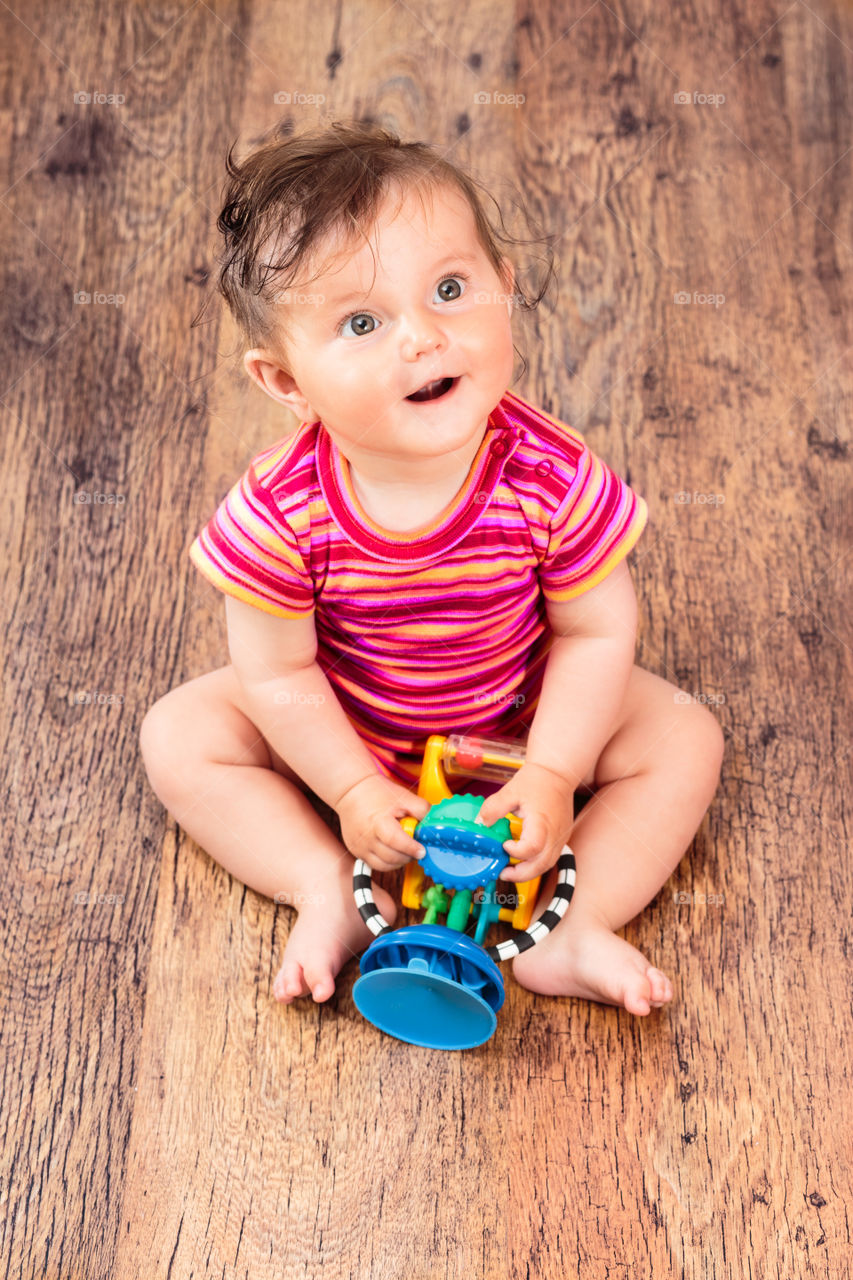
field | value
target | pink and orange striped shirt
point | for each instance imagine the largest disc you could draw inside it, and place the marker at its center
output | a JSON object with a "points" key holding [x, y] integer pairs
{"points": [[439, 631]]}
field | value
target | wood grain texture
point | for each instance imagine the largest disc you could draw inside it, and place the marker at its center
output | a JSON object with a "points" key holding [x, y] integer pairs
{"points": [[162, 1116]]}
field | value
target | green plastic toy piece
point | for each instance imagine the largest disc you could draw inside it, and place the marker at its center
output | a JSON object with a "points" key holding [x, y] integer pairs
{"points": [[436, 902], [457, 916], [461, 811]]}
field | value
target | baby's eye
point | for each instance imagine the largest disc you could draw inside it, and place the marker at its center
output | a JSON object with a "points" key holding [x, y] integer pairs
{"points": [[359, 325], [450, 289]]}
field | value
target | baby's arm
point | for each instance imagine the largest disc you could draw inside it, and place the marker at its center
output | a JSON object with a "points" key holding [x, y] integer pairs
{"points": [[294, 706], [584, 685]]}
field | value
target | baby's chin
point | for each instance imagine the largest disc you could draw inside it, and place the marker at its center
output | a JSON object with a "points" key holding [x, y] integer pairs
{"points": [[439, 440]]}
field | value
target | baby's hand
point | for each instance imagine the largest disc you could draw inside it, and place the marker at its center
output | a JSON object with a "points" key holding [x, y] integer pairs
{"points": [[370, 814], [545, 803]]}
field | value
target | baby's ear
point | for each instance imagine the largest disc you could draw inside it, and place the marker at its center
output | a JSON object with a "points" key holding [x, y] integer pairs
{"points": [[264, 368]]}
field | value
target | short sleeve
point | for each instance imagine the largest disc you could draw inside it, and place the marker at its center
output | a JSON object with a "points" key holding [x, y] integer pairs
{"points": [[249, 550], [594, 527]]}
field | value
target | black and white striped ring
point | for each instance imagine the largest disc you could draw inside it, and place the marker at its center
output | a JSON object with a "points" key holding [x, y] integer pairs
{"points": [[362, 885]]}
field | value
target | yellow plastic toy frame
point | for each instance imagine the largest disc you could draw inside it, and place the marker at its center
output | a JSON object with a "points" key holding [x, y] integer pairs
{"points": [[433, 787]]}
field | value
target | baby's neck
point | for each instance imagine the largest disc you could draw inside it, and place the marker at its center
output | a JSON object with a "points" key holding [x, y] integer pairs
{"points": [[402, 501]]}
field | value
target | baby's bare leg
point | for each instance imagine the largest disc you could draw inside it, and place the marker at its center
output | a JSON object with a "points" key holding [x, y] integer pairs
{"points": [[216, 774], [653, 783]]}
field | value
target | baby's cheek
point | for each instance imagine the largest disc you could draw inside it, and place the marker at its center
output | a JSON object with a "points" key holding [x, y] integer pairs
{"points": [[498, 350]]}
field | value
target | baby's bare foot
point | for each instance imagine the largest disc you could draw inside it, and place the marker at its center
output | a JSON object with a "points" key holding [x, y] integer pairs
{"points": [[328, 932], [587, 960]]}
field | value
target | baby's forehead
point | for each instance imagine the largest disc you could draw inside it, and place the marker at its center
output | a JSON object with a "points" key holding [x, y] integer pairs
{"points": [[438, 215]]}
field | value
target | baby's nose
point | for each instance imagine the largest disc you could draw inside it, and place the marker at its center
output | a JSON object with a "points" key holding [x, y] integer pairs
{"points": [[421, 335]]}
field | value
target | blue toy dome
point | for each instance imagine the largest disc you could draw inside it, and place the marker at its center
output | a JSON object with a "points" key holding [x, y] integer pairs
{"points": [[430, 987]]}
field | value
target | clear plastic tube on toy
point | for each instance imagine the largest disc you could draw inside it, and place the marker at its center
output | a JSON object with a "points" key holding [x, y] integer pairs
{"points": [[495, 759]]}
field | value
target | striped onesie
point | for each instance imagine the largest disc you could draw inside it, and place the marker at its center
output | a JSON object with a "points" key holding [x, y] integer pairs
{"points": [[442, 630]]}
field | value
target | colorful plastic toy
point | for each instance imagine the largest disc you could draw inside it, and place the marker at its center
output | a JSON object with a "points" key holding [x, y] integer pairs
{"points": [[432, 984]]}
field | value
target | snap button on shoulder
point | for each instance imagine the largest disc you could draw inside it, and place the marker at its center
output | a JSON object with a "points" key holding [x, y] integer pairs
{"points": [[498, 448], [544, 468]]}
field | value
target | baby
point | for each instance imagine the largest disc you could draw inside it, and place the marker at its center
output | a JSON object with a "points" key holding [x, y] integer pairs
{"points": [[427, 554]]}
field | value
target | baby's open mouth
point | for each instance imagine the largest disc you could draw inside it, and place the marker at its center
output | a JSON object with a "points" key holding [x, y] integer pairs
{"points": [[434, 390]]}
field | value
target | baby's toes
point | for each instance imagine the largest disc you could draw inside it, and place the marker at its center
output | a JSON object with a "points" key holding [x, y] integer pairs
{"points": [[645, 989], [289, 982], [635, 997], [660, 988], [319, 981]]}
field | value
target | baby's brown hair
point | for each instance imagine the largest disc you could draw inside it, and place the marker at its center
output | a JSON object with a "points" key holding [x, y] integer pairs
{"points": [[290, 193]]}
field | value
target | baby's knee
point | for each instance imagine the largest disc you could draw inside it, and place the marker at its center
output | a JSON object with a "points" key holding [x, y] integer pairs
{"points": [[699, 742], [163, 743], [196, 726]]}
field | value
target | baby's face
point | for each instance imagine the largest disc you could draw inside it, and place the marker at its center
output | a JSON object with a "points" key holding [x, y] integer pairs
{"points": [[428, 317]]}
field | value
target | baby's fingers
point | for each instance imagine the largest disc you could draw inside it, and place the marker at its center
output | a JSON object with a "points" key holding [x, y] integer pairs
{"points": [[381, 856], [384, 859], [391, 840], [533, 839], [533, 852], [529, 870]]}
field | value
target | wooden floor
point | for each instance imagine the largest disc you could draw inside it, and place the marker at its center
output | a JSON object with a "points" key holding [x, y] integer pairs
{"points": [[162, 1116]]}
